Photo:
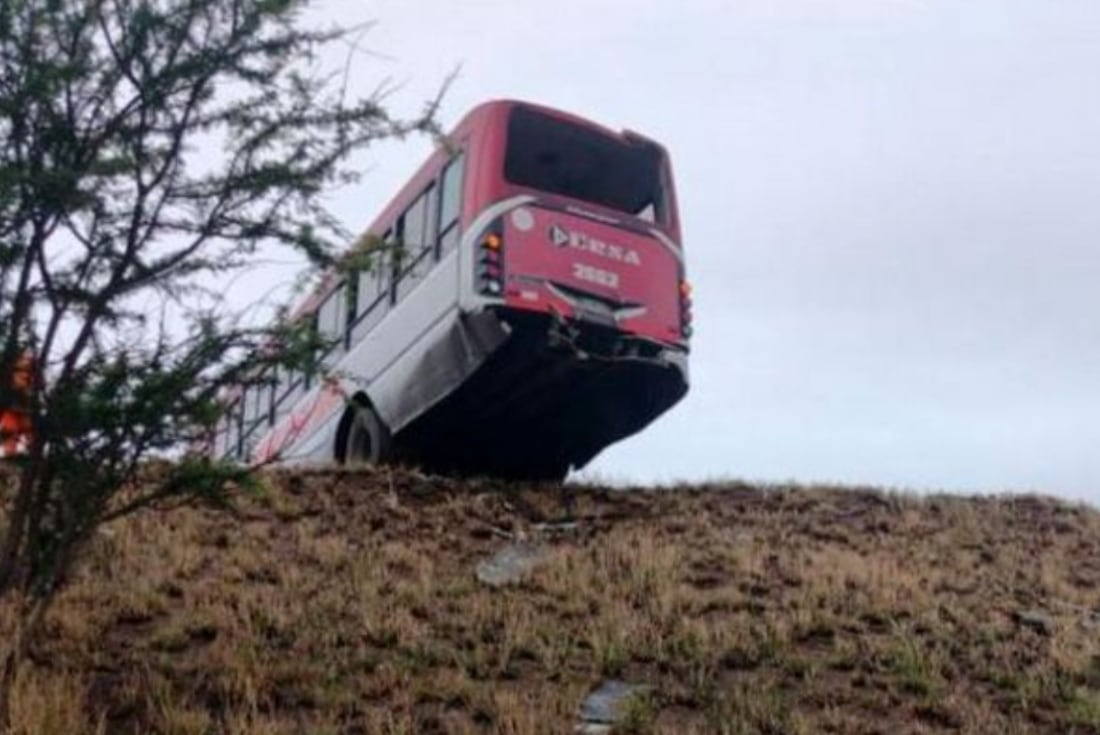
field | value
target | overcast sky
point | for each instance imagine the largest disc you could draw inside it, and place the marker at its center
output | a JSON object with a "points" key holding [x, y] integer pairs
{"points": [[891, 214]]}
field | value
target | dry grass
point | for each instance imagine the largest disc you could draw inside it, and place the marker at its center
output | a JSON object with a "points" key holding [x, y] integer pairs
{"points": [[345, 602]]}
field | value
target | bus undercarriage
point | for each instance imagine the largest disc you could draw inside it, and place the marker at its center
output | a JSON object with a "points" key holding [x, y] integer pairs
{"points": [[551, 396]]}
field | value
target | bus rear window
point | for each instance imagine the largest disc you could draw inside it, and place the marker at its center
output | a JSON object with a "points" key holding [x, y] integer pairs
{"points": [[559, 157]]}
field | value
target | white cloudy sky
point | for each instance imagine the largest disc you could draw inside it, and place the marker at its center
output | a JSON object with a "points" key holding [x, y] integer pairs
{"points": [[891, 208]]}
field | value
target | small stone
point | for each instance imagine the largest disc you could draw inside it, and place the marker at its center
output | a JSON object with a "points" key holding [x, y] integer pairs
{"points": [[589, 728], [510, 564], [603, 706], [561, 527], [1036, 620]]}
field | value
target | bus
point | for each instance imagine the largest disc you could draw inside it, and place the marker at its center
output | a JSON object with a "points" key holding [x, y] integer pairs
{"points": [[539, 311]]}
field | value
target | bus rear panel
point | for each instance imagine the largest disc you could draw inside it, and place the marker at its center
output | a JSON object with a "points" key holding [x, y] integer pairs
{"points": [[591, 246]]}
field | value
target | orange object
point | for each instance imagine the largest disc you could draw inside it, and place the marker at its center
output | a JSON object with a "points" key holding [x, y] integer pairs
{"points": [[15, 421], [15, 427]]}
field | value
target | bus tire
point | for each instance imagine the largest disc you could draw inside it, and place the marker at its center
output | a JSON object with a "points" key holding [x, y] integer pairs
{"points": [[368, 439]]}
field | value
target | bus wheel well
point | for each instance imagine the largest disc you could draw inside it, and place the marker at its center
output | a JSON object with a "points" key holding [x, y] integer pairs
{"points": [[357, 401], [361, 434]]}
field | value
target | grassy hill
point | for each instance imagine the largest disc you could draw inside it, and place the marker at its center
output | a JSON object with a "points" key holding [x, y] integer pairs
{"points": [[348, 602]]}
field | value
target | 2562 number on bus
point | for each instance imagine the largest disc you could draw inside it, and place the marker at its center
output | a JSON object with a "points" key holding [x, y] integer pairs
{"points": [[592, 274]]}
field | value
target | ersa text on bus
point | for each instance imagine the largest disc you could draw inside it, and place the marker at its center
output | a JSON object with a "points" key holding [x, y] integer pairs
{"points": [[562, 237]]}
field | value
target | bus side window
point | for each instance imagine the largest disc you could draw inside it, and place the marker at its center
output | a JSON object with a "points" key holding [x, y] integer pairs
{"points": [[250, 430], [273, 392], [282, 402], [417, 233], [293, 390], [416, 228], [351, 304], [218, 444], [259, 407], [282, 384], [249, 408], [233, 429], [373, 291], [417, 221], [389, 259], [450, 205], [331, 320]]}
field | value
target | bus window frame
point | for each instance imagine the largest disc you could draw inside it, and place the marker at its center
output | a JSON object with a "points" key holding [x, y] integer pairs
{"points": [[254, 417], [406, 276], [339, 335], [382, 292], [443, 229], [233, 429]]}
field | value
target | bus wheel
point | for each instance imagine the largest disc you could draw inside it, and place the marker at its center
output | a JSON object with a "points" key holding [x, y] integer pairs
{"points": [[368, 439]]}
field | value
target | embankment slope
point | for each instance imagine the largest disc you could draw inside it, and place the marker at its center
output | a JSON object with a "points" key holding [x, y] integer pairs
{"points": [[347, 601]]}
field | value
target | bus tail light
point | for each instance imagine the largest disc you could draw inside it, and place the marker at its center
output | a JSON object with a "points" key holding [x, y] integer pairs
{"points": [[685, 309], [490, 264]]}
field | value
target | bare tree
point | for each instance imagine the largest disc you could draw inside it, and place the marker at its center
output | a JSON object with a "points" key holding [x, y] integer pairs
{"points": [[147, 148]]}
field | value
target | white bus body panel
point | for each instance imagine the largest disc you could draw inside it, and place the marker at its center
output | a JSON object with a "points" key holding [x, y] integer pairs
{"points": [[423, 349]]}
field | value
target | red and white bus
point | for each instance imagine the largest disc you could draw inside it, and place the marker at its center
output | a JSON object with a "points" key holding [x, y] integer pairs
{"points": [[539, 312]]}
